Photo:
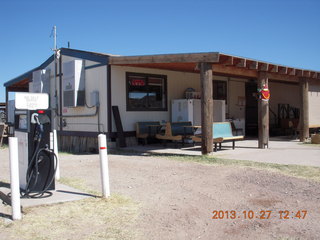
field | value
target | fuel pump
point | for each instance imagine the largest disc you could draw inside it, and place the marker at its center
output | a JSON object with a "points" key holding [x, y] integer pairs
{"points": [[36, 159]]}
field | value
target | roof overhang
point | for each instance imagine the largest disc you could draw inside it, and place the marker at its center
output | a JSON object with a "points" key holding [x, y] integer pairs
{"points": [[20, 83], [222, 64]]}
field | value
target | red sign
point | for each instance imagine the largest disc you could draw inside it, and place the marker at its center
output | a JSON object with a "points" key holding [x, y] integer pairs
{"points": [[265, 93], [137, 82]]}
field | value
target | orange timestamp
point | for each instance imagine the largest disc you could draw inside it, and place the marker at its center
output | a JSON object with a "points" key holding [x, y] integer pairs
{"points": [[261, 214]]}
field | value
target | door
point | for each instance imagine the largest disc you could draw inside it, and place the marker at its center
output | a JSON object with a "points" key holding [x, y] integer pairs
{"points": [[251, 109]]}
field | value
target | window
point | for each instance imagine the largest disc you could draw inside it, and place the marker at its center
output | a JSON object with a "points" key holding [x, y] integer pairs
{"points": [[146, 92], [220, 90]]}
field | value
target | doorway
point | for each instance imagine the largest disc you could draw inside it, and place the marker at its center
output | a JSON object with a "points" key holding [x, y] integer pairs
{"points": [[251, 109]]}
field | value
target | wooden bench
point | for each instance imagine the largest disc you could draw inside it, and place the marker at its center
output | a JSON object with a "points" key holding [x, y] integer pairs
{"points": [[176, 131], [145, 130]]}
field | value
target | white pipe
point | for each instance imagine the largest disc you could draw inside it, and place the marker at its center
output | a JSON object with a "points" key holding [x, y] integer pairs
{"points": [[104, 165], [55, 150], [14, 178]]}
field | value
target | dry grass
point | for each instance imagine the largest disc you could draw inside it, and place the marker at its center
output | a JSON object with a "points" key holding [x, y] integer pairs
{"points": [[306, 172], [78, 183], [89, 219], [92, 219]]}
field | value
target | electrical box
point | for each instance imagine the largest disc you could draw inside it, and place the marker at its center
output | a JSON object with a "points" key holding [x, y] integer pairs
{"points": [[73, 84], [40, 81], [94, 96], [10, 111]]}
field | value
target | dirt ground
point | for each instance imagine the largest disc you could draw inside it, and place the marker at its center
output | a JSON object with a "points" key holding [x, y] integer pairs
{"points": [[177, 198]]}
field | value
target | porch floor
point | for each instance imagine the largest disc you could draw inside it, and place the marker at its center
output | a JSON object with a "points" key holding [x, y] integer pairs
{"points": [[281, 150]]}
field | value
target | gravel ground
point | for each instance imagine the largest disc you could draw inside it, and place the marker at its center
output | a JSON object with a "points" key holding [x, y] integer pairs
{"points": [[177, 199]]}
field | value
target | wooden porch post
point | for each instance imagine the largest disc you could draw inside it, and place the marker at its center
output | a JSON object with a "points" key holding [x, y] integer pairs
{"points": [[304, 110], [263, 113], [206, 107], [7, 103]]}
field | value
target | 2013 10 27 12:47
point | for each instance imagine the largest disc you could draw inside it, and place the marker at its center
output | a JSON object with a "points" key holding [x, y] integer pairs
{"points": [[261, 214]]}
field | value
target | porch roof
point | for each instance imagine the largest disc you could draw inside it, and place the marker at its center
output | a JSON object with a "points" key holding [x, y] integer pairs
{"points": [[222, 64]]}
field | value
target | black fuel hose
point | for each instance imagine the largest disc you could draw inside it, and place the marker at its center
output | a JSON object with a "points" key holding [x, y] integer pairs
{"points": [[28, 193]]}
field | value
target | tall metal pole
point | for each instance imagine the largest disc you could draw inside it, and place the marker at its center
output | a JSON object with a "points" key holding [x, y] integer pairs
{"points": [[55, 104], [54, 38]]}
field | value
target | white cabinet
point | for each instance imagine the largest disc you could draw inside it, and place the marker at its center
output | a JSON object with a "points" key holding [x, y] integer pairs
{"points": [[190, 110]]}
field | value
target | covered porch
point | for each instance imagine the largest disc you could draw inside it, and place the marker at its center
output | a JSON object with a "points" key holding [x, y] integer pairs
{"points": [[258, 73]]}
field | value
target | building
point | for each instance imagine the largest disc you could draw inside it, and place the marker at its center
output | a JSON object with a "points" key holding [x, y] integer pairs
{"points": [[142, 88]]}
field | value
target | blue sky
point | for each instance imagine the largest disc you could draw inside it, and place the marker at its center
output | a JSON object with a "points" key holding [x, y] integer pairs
{"points": [[281, 31]]}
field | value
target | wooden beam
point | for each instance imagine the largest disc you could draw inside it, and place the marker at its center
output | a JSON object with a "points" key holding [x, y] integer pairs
{"points": [[206, 107], [7, 104], [313, 74], [273, 68], [263, 114], [299, 72], [253, 65], [306, 73], [263, 66], [166, 58], [17, 89], [283, 70], [291, 71], [241, 63], [283, 77], [304, 109], [234, 71], [228, 61]]}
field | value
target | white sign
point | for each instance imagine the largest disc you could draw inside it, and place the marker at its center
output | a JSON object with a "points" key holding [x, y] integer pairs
{"points": [[31, 101]]}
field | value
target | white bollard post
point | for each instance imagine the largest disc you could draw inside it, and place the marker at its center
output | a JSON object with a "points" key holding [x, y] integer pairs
{"points": [[104, 165], [14, 178], [55, 150]]}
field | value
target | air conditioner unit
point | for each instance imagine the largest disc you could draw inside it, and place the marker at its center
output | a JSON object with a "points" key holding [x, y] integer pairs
{"points": [[73, 84], [40, 81]]}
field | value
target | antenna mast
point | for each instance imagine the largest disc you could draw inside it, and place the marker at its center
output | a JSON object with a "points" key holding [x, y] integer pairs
{"points": [[54, 39], [55, 104]]}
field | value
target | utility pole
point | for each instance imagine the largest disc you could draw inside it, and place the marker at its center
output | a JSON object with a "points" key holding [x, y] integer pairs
{"points": [[54, 106]]}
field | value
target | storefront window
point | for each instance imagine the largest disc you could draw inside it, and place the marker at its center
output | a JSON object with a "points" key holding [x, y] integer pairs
{"points": [[146, 92], [220, 90]]}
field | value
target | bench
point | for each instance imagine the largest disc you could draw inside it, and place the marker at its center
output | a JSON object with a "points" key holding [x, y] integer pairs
{"points": [[224, 130], [221, 132], [198, 139], [176, 131], [145, 130]]}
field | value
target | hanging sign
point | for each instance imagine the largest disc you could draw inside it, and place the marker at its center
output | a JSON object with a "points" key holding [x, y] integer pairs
{"points": [[265, 93], [31, 101]]}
